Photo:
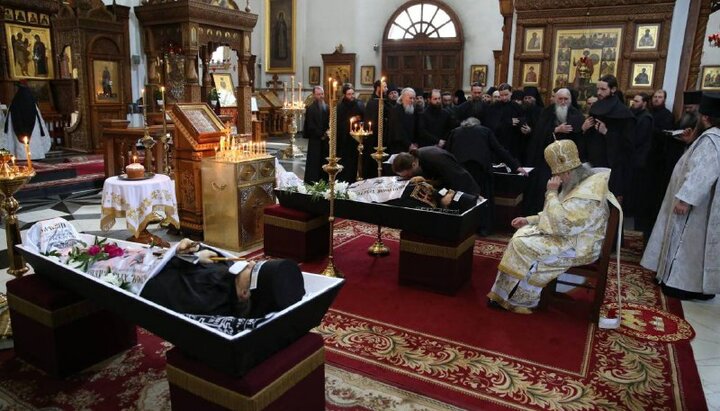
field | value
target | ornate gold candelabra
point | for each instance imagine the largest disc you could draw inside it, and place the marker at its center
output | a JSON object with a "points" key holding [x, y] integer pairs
{"points": [[359, 133], [332, 168], [12, 178], [292, 113], [378, 248]]}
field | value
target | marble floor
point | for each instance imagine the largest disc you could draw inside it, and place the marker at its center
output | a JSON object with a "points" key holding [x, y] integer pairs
{"points": [[83, 211]]}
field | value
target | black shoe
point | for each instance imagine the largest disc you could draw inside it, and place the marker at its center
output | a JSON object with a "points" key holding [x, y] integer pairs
{"points": [[704, 297], [494, 304]]}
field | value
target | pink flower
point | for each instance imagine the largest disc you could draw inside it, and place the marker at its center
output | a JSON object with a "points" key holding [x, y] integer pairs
{"points": [[93, 249], [113, 250]]}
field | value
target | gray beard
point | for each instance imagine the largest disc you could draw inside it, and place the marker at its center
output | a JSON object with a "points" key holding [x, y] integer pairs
{"points": [[577, 176], [561, 113], [409, 109], [322, 105]]}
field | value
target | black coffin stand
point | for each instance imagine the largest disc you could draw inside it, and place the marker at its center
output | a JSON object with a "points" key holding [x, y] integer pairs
{"points": [[231, 354]]}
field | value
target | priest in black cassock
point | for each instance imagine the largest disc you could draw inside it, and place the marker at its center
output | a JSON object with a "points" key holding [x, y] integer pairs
{"points": [[658, 158], [315, 130], [638, 197], [403, 123], [505, 119], [436, 165], [435, 122], [607, 139], [474, 147], [475, 107], [348, 108], [371, 116], [558, 121]]}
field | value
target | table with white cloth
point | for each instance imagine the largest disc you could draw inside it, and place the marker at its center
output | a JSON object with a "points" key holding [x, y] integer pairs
{"points": [[140, 202]]}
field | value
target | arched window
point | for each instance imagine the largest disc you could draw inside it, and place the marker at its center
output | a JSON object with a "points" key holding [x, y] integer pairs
{"points": [[422, 46]]}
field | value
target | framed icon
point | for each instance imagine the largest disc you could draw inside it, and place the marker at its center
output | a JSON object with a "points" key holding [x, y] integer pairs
{"points": [[642, 75], [646, 37], [314, 75], [710, 79], [29, 51], [478, 74], [367, 75], [280, 36], [223, 83], [9, 15], [531, 74], [105, 81], [534, 39]]}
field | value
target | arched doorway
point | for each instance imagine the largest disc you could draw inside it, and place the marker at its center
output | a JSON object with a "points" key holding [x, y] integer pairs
{"points": [[423, 46]]}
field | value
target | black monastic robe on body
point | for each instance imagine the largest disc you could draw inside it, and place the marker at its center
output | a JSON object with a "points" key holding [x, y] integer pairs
{"points": [[499, 119], [441, 166], [614, 149], [346, 144], [316, 124], [541, 137], [403, 130], [434, 125]]}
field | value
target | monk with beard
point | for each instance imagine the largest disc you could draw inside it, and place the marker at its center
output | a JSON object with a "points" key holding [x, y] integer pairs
{"points": [[558, 121], [402, 135]]}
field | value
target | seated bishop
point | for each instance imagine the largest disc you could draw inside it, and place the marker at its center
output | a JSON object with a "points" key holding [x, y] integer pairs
{"points": [[568, 232]]}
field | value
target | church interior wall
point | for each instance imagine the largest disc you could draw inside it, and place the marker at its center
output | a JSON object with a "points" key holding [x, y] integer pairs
{"points": [[711, 55], [358, 26]]}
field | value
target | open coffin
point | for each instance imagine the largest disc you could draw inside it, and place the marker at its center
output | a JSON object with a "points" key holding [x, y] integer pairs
{"points": [[235, 354], [430, 223]]}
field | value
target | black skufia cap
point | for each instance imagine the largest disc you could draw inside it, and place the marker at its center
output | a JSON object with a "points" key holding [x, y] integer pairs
{"points": [[692, 97], [280, 284], [710, 105]]}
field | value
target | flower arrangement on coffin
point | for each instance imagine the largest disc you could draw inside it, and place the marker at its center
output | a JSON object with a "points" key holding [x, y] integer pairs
{"points": [[321, 189], [89, 258]]}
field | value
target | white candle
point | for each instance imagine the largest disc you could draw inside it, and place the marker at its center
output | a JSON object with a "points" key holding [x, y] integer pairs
{"points": [[28, 155]]}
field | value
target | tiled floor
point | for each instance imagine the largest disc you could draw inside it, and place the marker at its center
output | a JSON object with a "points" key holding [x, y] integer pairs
{"points": [[83, 211]]}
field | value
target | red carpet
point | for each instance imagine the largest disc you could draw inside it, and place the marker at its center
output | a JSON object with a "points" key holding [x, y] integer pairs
{"points": [[133, 380], [457, 350]]}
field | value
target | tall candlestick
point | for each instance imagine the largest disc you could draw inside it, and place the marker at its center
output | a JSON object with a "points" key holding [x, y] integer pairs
{"points": [[299, 94], [381, 117], [285, 94], [162, 94]]}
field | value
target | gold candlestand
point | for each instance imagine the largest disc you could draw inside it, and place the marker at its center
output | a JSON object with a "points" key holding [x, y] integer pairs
{"points": [[359, 135], [12, 178], [332, 168], [378, 248], [292, 113]]}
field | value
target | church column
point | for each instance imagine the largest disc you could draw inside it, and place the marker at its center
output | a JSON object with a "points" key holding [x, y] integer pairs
{"points": [[206, 80], [506, 10], [244, 90]]}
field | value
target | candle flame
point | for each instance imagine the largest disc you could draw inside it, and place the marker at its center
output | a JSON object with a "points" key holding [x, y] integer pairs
{"points": [[25, 140]]}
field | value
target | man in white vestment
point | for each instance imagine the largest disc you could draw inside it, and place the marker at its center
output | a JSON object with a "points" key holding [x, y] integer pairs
{"points": [[568, 232], [24, 120], [684, 247]]}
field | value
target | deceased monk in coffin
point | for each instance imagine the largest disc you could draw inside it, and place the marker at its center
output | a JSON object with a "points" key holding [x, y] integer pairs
{"points": [[188, 278]]}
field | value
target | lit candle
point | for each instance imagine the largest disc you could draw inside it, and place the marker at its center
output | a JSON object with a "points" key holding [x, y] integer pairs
{"points": [[299, 94], [285, 94], [13, 161], [292, 89], [28, 155], [352, 123], [162, 93], [370, 124], [134, 159]]}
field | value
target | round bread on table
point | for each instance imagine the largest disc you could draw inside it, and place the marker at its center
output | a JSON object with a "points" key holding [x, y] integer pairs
{"points": [[135, 170]]}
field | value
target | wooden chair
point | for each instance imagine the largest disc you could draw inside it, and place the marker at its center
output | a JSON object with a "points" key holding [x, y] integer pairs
{"points": [[596, 272]]}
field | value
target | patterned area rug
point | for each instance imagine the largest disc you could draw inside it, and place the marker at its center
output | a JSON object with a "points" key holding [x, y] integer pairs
{"points": [[391, 347], [497, 360]]}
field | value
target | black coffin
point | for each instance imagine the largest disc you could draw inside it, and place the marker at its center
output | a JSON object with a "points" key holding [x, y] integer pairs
{"points": [[235, 354], [434, 224]]}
